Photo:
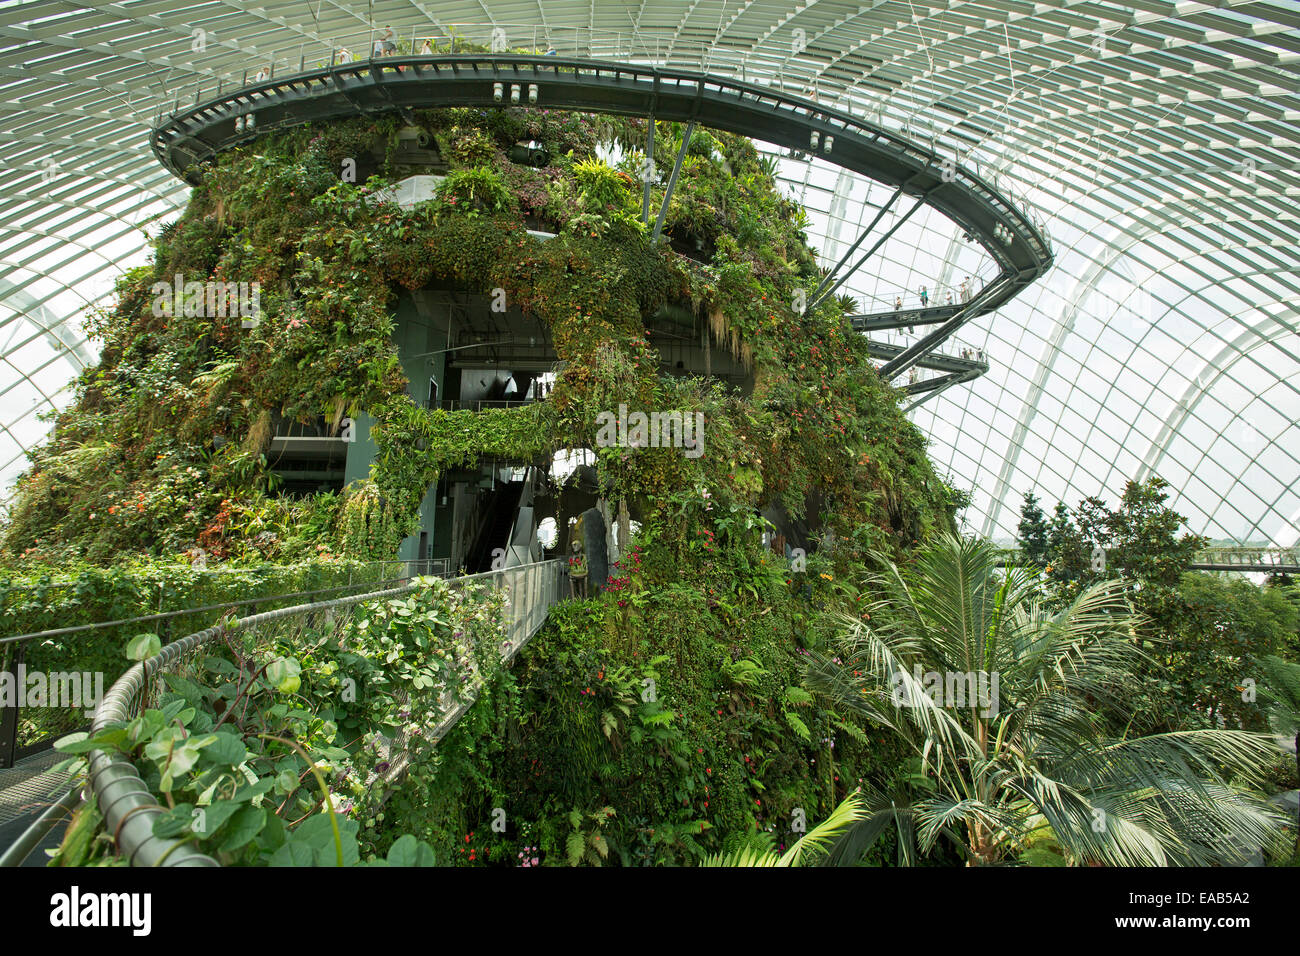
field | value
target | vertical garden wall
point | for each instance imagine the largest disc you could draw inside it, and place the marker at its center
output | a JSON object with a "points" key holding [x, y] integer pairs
{"points": [[649, 720]]}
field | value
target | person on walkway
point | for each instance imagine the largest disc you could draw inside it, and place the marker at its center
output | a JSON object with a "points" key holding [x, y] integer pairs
{"points": [[925, 297], [578, 572], [948, 300], [898, 302], [345, 55], [384, 45], [263, 75], [426, 48]]}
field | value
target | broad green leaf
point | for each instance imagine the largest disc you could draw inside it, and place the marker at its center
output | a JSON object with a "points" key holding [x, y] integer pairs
{"points": [[174, 822], [317, 832], [226, 748], [283, 674], [110, 738], [254, 788], [408, 851], [293, 854], [142, 647], [273, 835], [79, 836], [213, 816], [185, 688], [174, 754], [247, 823]]}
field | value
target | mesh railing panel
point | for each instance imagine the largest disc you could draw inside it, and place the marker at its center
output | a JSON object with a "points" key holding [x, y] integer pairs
{"points": [[60, 674], [129, 809]]}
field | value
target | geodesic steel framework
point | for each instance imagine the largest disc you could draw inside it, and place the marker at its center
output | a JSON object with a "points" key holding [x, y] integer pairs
{"points": [[1158, 142]]}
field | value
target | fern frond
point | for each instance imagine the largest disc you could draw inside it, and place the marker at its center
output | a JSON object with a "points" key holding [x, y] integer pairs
{"points": [[810, 846], [854, 731], [575, 847], [798, 726]]}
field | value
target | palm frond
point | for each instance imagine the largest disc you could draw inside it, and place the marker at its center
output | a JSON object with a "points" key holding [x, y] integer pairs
{"points": [[812, 845], [1045, 756], [1280, 693]]}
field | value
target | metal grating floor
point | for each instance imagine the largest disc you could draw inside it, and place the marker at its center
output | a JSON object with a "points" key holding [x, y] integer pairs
{"points": [[29, 787]]}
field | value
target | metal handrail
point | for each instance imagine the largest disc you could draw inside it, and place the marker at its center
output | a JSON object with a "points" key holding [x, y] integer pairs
{"points": [[59, 586], [29, 839], [1245, 557], [629, 47], [484, 404], [1005, 200], [129, 808], [167, 615]]}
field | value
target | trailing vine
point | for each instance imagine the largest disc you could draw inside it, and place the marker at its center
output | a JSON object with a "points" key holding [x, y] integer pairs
{"points": [[176, 418]]}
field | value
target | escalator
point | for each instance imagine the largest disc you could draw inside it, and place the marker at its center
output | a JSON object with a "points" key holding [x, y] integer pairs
{"points": [[496, 528]]}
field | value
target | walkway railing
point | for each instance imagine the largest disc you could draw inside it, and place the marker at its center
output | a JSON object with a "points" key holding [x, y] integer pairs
{"points": [[1249, 559], [57, 653], [802, 76], [1261, 560], [129, 808], [480, 405]]}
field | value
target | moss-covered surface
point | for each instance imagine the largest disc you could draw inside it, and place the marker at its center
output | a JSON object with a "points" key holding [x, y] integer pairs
{"points": [[728, 742], [131, 466]]}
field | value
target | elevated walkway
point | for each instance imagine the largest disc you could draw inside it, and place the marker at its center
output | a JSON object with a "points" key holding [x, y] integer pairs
{"points": [[903, 318], [955, 369], [1262, 560], [29, 790], [1259, 560], [222, 118]]}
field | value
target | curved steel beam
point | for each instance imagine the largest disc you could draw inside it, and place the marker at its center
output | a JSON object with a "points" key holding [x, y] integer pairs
{"points": [[1134, 234], [55, 331], [194, 136]]}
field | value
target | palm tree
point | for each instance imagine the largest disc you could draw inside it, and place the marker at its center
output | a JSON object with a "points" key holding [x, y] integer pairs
{"points": [[757, 850], [1011, 712], [1281, 696]]}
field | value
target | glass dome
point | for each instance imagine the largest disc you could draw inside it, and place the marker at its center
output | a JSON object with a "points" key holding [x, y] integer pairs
{"points": [[1158, 143]]}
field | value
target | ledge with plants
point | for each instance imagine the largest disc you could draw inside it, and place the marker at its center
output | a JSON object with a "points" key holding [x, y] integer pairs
{"points": [[165, 445], [274, 747]]}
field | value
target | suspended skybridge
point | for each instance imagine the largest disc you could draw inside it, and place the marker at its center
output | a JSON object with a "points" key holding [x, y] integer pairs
{"points": [[210, 119], [129, 808]]}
